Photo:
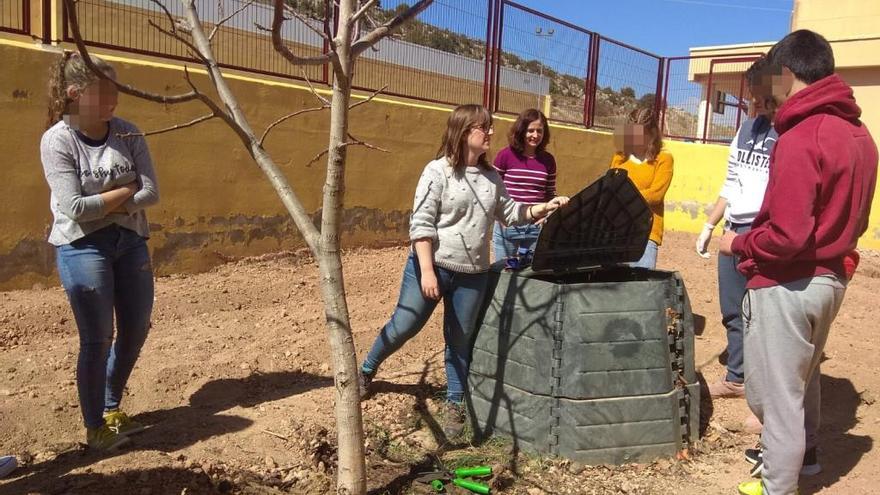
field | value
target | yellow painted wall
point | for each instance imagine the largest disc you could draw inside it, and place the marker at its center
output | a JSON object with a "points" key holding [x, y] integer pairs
{"points": [[866, 88], [837, 18], [699, 172], [215, 202]]}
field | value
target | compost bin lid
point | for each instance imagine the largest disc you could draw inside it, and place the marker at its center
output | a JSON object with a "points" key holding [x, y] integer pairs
{"points": [[606, 223]]}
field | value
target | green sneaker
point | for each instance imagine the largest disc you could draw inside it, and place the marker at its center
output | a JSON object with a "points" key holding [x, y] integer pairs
{"points": [[104, 438], [119, 422]]}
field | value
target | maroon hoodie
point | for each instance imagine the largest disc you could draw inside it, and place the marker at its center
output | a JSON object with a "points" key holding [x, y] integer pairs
{"points": [[822, 175]]}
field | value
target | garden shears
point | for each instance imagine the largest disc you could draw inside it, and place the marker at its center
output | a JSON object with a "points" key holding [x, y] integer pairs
{"points": [[458, 477]]}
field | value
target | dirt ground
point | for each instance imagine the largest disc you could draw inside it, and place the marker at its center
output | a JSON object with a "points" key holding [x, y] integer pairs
{"points": [[235, 383]]}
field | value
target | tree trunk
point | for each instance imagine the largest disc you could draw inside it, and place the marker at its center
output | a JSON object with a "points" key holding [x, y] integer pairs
{"points": [[351, 478]]}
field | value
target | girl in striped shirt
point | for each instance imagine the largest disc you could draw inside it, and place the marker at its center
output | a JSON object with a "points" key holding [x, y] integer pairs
{"points": [[529, 174]]}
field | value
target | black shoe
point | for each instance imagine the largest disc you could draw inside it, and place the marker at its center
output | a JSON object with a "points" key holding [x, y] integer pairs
{"points": [[755, 457], [454, 417], [364, 382]]}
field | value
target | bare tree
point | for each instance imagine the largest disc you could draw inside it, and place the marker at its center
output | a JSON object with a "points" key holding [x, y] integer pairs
{"points": [[346, 43]]}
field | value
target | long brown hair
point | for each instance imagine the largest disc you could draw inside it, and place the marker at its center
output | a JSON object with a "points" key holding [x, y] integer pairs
{"points": [[454, 145], [70, 70], [645, 117], [516, 138]]}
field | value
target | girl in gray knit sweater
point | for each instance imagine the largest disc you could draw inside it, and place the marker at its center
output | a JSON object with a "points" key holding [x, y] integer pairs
{"points": [[458, 198], [101, 179]]}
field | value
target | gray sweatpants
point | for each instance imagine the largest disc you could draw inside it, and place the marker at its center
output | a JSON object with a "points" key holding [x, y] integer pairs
{"points": [[786, 327]]}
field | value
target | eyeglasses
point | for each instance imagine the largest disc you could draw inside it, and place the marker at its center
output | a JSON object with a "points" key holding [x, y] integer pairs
{"points": [[486, 128]]}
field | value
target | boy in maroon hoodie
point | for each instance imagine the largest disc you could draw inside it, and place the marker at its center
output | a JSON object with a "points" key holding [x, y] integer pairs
{"points": [[822, 175]]}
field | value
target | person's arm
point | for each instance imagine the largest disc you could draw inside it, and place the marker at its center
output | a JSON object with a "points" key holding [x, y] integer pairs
{"points": [[512, 212], [423, 228], [655, 193], [712, 220], [551, 176], [789, 205], [148, 193], [502, 161], [61, 174], [425, 255], [541, 210]]}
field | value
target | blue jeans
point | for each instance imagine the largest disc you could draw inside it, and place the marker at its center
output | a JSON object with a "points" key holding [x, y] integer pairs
{"points": [[462, 295], [507, 240], [649, 258], [107, 272], [731, 289]]}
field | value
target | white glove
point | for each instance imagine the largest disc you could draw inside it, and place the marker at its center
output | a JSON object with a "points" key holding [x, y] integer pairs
{"points": [[703, 240]]}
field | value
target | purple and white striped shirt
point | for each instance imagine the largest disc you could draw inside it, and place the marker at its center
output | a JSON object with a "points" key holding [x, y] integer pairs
{"points": [[528, 180]]}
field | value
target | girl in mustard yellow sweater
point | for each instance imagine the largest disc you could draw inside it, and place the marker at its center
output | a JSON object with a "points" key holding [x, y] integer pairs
{"points": [[640, 152]]}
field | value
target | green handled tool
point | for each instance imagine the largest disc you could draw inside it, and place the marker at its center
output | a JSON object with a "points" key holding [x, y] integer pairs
{"points": [[467, 472], [458, 478], [473, 486]]}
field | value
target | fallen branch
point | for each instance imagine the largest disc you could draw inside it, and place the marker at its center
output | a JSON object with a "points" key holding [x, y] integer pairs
{"points": [[276, 435]]}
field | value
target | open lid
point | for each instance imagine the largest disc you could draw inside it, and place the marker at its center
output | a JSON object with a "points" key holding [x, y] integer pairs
{"points": [[608, 222]]}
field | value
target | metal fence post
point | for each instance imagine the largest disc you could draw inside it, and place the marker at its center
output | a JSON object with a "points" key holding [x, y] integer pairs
{"points": [[489, 47], [658, 106], [595, 38], [664, 95], [496, 80]]}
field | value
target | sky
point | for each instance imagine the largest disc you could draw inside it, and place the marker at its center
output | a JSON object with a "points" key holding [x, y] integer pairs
{"points": [[669, 27]]}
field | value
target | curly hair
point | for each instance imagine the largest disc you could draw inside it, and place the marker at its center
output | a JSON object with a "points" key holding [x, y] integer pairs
{"points": [[70, 70]]}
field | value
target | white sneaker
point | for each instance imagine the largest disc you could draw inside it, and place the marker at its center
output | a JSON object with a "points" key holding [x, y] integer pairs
{"points": [[8, 463]]}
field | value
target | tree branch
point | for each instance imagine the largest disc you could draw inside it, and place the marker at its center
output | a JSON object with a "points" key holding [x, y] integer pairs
{"points": [[169, 129], [362, 11], [369, 98], [124, 88], [306, 22], [227, 18], [173, 33], [354, 142], [167, 14], [238, 122], [357, 142], [388, 28], [324, 101], [289, 116], [280, 47]]}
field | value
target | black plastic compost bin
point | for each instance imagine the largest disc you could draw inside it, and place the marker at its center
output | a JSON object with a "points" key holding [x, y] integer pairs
{"points": [[581, 355]]}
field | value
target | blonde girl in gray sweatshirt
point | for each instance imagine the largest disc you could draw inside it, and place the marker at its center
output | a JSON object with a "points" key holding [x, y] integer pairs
{"points": [[101, 179]]}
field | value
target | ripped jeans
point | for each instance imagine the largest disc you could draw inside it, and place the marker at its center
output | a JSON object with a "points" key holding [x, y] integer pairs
{"points": [[107, 272]]}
